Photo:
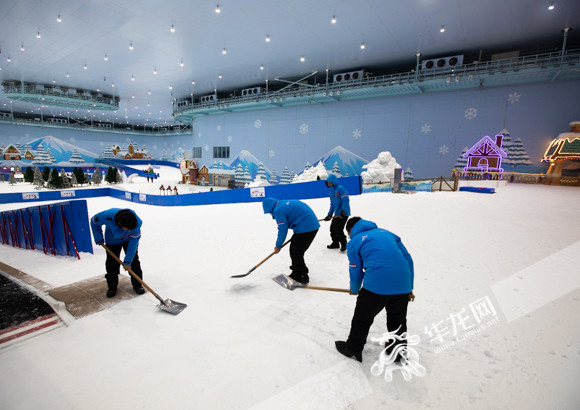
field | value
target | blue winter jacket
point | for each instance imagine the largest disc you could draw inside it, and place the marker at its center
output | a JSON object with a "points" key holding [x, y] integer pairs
{"points": [[339, 200], [290, 213], [378, 261], [114, 234]]}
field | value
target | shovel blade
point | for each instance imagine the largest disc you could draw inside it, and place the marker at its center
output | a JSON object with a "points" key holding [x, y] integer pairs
{"points": [[171, 306], [287, 282]]}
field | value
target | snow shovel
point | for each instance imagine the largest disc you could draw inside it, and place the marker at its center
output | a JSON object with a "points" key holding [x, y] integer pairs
{"points": [[290, 284], [267, 257], [167, 305]]}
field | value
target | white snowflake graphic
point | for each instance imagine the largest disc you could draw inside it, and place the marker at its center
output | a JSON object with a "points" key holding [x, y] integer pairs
{"points": [[271, 153], [230, 138], [513, 97], [470, 113], [356, 134], [199, 134], [206, 148], [257, 124], [304, 128], [443, 150], [219, 127], [426, 128]]}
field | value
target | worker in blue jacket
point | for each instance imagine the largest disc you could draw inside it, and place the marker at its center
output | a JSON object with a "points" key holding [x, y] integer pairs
{"points": [[295, 215], [381, 273], [340, 208], [122, 231]]}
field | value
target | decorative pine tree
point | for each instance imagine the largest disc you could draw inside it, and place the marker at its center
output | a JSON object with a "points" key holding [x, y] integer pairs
{"points": [[261, 172], [73, 180], [408, 175], [307, 166], [461, 162], [336, 169], [46, 174], [285, 178], [273, 177], [54, 182], [80, 175], [37, 179], [517, 155], [40, 157], [96, 179], [247, 177], [107, 153], [76, 158], [111, 177], [51, 158], [28, 175], [239, 175], [118, 177], [66, 183]]}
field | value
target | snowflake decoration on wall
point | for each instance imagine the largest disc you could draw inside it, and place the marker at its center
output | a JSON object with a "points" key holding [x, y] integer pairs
{"points": [[199, 134], [206, 148], [219, 127], [356, 134], [443, 150], [257, 124], [271, 153], [470, 113], [304, 128], [426, 128], [513, 97]]}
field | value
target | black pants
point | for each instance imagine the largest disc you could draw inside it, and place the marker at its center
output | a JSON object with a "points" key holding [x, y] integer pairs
{"points": [[113, 267], [368, 305], [298, 246], [337, 230]]}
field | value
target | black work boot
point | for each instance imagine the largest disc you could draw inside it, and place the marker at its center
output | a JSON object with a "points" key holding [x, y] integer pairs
{"points": [[111, 293], [345, 350], [333, 245]]}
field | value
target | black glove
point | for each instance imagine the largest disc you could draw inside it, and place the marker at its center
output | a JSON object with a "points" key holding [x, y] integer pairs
{"points": [[100, 242], [328, 218], [342, 214]]}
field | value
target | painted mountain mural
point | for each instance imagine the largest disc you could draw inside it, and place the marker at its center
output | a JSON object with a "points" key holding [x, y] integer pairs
{"points": [[348, 162], [61, 150], [247, 159]]}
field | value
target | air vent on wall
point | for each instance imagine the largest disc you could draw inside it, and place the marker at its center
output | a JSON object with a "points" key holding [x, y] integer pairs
{"points": [[208, 98], [350, 76], [251, 91], [442, 62]]}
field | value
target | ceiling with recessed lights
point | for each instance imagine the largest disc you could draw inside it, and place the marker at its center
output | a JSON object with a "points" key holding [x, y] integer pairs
{"points": [[150, 54]]}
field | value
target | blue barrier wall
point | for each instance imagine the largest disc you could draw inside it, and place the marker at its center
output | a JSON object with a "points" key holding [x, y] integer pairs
{"points": [[57, 229], [304, 190]]}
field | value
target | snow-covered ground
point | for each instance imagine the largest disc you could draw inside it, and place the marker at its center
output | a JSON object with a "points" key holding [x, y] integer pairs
{"points": [[497, 283]]}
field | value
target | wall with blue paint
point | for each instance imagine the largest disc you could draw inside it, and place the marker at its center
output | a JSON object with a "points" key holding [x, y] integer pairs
{"points": [[425, 133]]}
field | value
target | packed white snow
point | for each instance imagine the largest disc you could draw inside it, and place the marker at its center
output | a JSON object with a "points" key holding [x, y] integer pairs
{"points": [[509, 259], [381, 169]]}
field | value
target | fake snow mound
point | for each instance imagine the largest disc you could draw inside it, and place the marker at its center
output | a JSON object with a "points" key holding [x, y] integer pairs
{"points": [[381, 169], [312, 174], [258, 182]]}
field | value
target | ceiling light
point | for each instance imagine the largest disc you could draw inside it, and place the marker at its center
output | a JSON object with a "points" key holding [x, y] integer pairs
{"points": [[224, 51], [38, 34], [170, 87], [362, 46], [220, 76], [85, 66], [8, 59], [267, 38], [132, 77], [261, 67], [333, 19], [442, 29], [22, 47], [67, 75], [149, 92], [155, 70], [106, 58], [193, 82], [302, 59], [53, 81], [551, 6], [58, 19], [112, 85], [172, 29], [131, 45], [217, 9], [181, 63]]}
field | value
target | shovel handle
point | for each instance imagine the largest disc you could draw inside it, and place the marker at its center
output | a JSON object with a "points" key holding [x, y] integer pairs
{"points": [[327, 289], [110, 252]]}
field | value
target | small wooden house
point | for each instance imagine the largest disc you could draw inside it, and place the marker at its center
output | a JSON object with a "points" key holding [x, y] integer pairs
{"points": [[12, 153], [203, 176], [563, 154], [486, 155]]}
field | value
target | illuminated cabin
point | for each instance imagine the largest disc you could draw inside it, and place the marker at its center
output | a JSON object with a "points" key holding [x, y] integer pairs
{"points": [[563, 155]]}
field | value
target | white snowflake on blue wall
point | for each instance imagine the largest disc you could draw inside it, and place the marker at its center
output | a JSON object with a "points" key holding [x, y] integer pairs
{"points": [[426, 128], [470, 113], [514, 97], [304, 128], [219, 127], [443, 150], [199, 134], [356, 134], [257, 124], [230, 138], [271, 153], [206, 148]]}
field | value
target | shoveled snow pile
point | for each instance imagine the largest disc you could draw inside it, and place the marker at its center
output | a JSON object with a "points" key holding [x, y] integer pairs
{"points": [[312, 174]]}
